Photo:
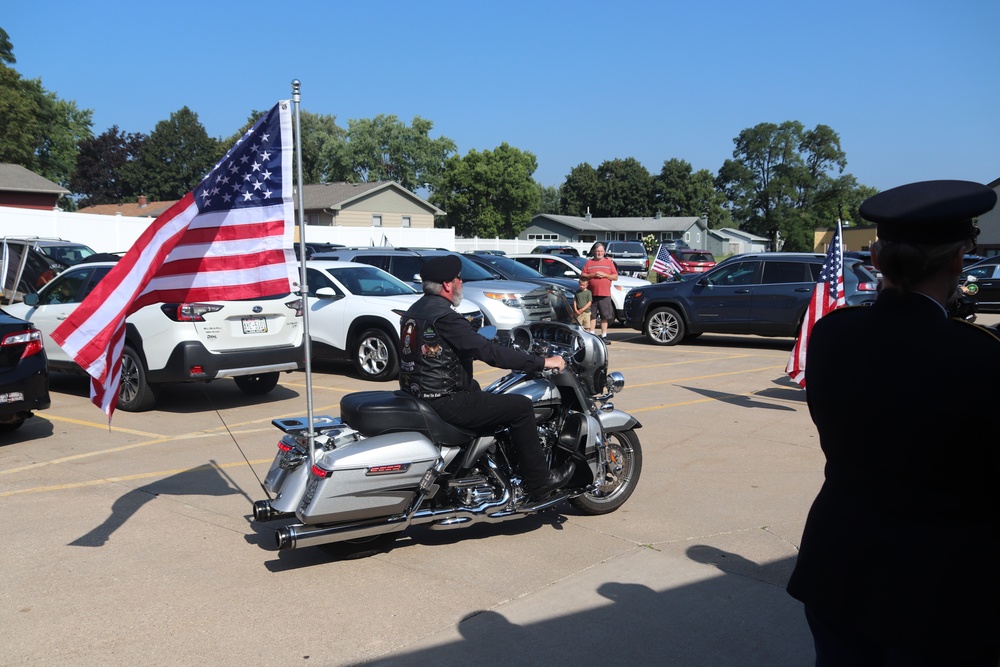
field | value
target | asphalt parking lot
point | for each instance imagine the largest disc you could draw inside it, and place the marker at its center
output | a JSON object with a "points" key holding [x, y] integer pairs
{"points": [[134, 544]]}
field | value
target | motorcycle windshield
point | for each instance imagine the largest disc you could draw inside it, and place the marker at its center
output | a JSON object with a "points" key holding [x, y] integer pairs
{"points": [[548, 304]]}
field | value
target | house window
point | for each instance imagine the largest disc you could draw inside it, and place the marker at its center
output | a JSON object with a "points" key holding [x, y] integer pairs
{"points": [[687, 237], [587, 238], [312, 218], [543, 237], [406, 221], [376, 221]]}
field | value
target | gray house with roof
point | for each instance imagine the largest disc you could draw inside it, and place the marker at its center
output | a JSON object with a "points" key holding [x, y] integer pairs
{"points": [[989, 227], [728, 241], [548, 228]]}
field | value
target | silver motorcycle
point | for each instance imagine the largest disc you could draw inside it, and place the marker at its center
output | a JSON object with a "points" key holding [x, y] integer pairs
{"points": [[389, 462]]}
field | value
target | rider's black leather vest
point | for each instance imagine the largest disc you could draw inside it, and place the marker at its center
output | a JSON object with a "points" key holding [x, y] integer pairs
{"points": [[428, 366]]}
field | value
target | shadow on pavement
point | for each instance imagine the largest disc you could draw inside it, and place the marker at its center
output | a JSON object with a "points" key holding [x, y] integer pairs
{"points": [[742, 401], [736, 618], [206, 480]]}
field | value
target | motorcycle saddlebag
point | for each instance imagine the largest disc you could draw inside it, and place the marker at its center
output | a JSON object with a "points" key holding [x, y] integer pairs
{"points": [[369, 478]]}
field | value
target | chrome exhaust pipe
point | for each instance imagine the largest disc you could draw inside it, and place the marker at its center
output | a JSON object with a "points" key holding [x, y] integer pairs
{"points": [[262, 511], [299, 535]]}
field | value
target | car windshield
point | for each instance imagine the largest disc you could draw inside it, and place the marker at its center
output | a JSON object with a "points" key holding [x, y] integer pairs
{"points": [[472, 271], [370, 281], [510, 268]]}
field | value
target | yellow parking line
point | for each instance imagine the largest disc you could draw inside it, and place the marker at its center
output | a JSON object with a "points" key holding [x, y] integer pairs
{"points": [[703, 377], [127, 478], [102, 426], [157, 439]]}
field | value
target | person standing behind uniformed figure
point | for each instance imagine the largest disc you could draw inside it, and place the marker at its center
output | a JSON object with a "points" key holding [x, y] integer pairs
{"points": [[898, 560], [582, 304], [600, 271]]}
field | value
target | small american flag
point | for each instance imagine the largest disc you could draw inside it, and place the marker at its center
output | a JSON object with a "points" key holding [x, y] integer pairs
{"points": [[665, 264], [828, 295], [230, 238]]}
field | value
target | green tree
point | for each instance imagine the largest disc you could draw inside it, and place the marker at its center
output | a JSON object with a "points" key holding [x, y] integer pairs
{"points": [[490, 193], [174, 158], [19, 119], [63, 126], [625, 189], [6, 48], [386, 149], [677, 192], [548, 197], [579, 192], [102, 167], [785, 181]]}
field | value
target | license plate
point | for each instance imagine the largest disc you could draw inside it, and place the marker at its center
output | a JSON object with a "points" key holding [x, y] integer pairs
{"points": [[12, 397], [252, 325]]}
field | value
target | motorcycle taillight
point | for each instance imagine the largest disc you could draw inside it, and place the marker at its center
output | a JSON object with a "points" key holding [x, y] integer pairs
{"points": [[321, 472]]}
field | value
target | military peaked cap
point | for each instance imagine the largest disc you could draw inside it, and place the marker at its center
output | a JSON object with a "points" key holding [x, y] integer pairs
{"points": [[929, 211]]}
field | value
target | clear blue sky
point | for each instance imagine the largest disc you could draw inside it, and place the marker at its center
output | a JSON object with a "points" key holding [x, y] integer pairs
{"points": [[912, 87]]}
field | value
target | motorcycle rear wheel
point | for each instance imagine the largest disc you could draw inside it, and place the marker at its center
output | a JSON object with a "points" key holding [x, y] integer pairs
{"points": [[623, 475]]}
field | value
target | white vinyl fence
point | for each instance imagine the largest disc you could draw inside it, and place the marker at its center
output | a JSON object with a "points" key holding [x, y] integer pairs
{"points": [[116, 233]]}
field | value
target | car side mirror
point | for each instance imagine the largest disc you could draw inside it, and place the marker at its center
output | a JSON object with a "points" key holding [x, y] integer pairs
{"points": [[31, 299], [326, 293], [705, 282]]}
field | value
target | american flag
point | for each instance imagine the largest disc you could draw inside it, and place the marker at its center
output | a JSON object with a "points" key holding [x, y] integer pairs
{"points": [[828, 295], [230, 238], [665, 264]]}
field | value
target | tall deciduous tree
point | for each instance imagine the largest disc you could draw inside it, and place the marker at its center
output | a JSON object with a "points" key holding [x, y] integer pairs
{"points": [[174, 158], [625, 189], [102, 167], [785, 181], [386, 149], [678, 191], [548, 199], [490, 193], [579, 192], [6, 48]]}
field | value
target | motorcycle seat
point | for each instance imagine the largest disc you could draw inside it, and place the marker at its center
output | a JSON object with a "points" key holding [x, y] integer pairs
{"points": [[373, 413]]}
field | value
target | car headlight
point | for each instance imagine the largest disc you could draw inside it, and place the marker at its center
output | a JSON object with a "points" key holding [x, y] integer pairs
{"points": [[508, 299]]}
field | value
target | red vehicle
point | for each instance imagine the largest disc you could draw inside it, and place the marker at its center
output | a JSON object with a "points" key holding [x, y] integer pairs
{"points": [[694, 261]]}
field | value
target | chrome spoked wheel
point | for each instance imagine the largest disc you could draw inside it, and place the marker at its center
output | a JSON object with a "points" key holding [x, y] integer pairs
{"points": [[621, 476]]}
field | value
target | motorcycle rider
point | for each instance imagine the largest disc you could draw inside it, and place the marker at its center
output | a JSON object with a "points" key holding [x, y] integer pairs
{"points": [[437, 348]]}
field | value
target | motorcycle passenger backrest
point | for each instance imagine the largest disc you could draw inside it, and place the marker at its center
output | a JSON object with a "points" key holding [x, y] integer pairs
{"points": [[373, 413]]}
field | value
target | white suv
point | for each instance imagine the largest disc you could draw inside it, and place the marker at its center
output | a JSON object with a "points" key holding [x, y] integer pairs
{"points": [[561, 266], [354, 312], [251, 340]]}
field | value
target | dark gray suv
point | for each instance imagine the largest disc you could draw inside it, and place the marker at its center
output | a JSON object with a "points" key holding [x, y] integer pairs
{"points": [[630, 257], [760, 293]]}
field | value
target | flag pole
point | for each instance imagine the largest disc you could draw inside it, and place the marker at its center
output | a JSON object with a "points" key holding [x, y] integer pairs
{"points": [[303, 285]]}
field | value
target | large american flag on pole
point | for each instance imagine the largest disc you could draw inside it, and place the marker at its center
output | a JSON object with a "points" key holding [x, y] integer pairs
{"points": [[828, 295], [230, 238], [665, 264]]}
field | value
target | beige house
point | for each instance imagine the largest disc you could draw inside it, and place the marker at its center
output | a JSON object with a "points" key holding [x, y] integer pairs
{"points": [[384, 204]]}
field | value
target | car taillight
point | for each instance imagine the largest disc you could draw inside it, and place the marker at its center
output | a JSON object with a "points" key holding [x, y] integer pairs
{"points": [[867, 287], [31, 339], [296, 305], [189, 312]]}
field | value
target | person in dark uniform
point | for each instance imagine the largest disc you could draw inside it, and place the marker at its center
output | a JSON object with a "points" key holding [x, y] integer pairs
{"points": [[898, 561], [437, 348]]}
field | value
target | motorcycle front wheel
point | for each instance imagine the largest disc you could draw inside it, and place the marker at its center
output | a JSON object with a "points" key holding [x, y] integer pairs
{"points": [[621, 478]]}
